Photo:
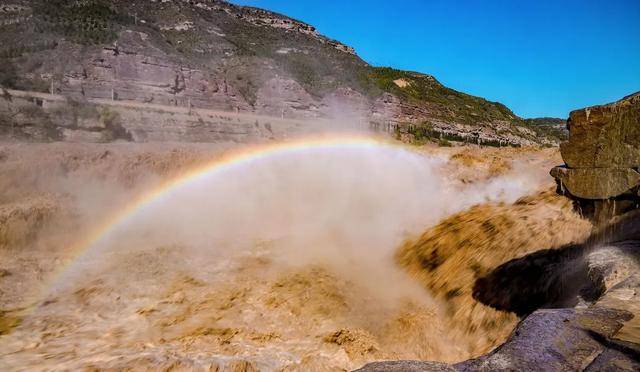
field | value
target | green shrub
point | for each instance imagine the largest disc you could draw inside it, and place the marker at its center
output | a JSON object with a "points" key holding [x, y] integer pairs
{"points": [[450, 104]]}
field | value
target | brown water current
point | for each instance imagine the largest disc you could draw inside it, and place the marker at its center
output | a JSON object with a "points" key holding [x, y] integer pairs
{"points": [[321, 260]]}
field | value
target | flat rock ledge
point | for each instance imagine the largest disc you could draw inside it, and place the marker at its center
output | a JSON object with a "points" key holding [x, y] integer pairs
{"points": [[596, 183]]}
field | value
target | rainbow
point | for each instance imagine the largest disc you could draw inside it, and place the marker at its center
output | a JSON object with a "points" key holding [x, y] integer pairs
{"points": [[238, 158]]}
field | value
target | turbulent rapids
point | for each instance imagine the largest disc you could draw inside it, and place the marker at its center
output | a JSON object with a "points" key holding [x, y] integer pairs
{"points": [[309, 255]]}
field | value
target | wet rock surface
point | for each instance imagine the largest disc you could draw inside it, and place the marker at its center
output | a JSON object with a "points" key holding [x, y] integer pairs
{"points": [[561, 339]]}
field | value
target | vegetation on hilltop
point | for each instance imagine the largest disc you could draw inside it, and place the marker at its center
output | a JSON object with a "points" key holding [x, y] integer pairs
{"points": [[546, 121], [549, 127], [85, 21], [422, 88]]}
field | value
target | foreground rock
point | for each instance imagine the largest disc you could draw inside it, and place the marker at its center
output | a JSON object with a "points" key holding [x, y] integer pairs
{"points": [[606, 136], [602, 154]]}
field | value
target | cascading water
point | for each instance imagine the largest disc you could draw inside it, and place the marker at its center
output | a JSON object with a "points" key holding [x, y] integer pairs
{"points": [[276, 258]]}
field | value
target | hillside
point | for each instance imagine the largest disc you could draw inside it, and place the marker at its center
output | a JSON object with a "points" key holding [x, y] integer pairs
{"points": [[216, 55], [549, 127]]}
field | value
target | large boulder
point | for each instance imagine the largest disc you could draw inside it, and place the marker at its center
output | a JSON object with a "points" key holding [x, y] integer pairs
{"points": [[606, 136], [603, 150]]}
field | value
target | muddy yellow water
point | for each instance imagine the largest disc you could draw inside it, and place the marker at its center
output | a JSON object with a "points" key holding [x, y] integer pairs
{"points": [[161, 304]]}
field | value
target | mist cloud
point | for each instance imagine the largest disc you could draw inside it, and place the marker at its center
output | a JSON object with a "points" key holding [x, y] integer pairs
{"points": [[345, 207]]}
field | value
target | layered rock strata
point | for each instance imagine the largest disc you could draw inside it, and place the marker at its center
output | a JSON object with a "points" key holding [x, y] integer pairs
{"points": [[602, 154]]}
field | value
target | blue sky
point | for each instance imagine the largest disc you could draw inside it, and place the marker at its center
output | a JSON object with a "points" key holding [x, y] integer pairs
{"points": [[540, 58]]}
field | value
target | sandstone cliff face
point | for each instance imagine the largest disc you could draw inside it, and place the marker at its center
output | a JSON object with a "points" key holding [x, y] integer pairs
{"points": [[602, 154], [216, 55], [606, 136], [45, 117]]}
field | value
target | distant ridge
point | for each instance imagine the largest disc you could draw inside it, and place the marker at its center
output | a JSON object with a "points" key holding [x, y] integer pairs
{"points": [[216, 55]]}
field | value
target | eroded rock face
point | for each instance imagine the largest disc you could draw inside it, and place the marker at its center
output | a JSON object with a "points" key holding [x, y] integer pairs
{"points": [[285, 98], [606, 136], [602, 154], [219, 56]]}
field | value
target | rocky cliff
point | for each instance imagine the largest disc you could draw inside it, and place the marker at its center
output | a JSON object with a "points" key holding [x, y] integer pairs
{"points": [[216, 55], [602, 156]]}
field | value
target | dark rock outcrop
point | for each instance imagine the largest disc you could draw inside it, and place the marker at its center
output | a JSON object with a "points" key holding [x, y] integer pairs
{"points": [[560, 340]]}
